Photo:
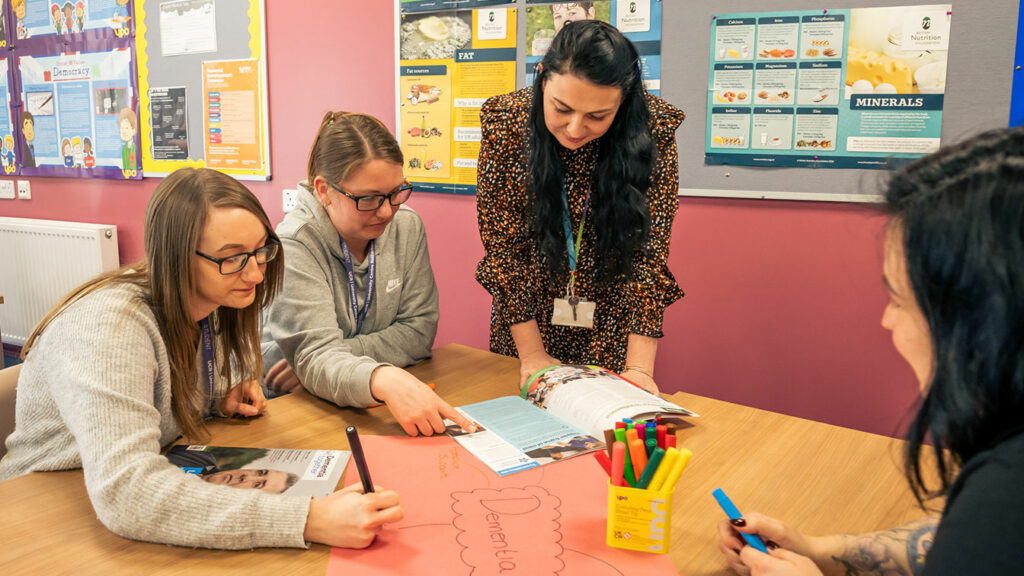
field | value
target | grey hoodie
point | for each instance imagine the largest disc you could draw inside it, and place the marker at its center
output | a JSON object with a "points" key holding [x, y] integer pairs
{"points": [[311, 323]]}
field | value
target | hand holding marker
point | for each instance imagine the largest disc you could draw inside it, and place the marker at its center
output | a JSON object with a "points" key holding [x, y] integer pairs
{"points": [[734, 514]]}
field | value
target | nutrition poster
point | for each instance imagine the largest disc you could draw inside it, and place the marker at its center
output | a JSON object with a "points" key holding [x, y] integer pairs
{"points": [[638, 20], [450, 63], [8, 156], [78, 116], [232, 115], [860, 88]]}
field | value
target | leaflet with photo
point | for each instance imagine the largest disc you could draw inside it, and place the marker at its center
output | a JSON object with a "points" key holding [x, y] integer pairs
{"points": [[312, 473]]}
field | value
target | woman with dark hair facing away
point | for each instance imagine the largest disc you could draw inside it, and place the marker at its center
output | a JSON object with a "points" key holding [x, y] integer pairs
{"points": [[954, 270], [138, 356], [576, 194], [359, 300]]}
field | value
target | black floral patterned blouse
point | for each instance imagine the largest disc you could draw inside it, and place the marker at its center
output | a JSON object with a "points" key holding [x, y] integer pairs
{"points": [[512, 269]]}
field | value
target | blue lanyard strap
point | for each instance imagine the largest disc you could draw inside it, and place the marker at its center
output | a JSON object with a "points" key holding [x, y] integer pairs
{"points": [[208, 361], [371, 277], [571, 246]]}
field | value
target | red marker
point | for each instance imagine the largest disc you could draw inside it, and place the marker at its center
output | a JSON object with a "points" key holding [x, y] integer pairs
{"points": [[661, 434], [618, 464], [671, 441], [602, 458]]}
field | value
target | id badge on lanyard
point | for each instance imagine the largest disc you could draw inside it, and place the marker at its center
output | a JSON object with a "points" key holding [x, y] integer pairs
{"points": [[573, 310]]}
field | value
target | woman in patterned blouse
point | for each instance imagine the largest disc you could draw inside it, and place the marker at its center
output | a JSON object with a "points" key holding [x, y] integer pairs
{"points": [[584, 161]]}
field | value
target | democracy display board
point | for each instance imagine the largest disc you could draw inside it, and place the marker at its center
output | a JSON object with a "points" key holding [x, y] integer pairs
{"points": [[859, 88], [454, 54], [203, 86], [70, 88], [973, 94]]}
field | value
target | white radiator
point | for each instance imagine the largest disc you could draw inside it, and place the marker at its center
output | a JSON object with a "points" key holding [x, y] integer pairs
{"points": [[43, 260]]}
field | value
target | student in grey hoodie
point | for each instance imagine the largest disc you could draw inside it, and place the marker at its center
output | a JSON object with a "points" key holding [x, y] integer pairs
{"points": [[359, 299]]}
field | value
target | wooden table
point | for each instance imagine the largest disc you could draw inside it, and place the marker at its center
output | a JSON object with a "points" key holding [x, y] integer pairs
{"points": [[819, 477]]}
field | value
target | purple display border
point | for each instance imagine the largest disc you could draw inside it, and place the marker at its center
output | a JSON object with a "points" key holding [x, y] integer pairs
{"points": [[50, 45]]}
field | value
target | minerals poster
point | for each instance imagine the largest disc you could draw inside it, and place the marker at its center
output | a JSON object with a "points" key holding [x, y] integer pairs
{"points": [[450, 63], [859, 88], [638, 20]]}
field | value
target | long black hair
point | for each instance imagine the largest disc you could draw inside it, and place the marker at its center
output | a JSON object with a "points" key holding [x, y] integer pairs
{"points": [[597, 52], [960, 217]]}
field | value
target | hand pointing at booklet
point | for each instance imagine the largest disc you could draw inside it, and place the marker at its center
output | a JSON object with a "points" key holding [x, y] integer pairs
{"points": [[413, 404]]}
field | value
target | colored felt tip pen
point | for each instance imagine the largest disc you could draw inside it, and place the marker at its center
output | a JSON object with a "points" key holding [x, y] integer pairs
{"points": [[618, 463], [631, 435], [602, 458], [619, 425], [609, 439], [676, 471], [360, 458], [638, 456], [627, 472], [651, 430], [660, 434], [667, 462], [670, 440], [733, 513], [649, 445], [652, 467]]}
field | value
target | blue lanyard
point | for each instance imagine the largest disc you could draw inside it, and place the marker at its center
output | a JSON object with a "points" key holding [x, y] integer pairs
{"points": [[371, 277], [573, 246], [208, 361]]}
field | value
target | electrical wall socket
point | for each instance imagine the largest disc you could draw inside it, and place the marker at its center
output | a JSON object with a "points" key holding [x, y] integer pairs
{"points": [[289, 199], [7, 189], [24, 190]]}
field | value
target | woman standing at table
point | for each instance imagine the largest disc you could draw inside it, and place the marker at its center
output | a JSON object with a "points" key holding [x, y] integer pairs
{"points": [[954, 269], [359, 300], [133, 359], [576, 194]]}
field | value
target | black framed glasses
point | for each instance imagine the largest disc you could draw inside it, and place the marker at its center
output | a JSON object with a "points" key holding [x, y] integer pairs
{"points": [[372, 202], [236, 263]]}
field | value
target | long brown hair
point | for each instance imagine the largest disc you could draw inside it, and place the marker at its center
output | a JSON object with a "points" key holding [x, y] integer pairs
{"points": [[175, 218], [346, 141]]}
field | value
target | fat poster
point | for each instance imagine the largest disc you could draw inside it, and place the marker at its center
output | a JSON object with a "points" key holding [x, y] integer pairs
{"points": [[450, 63], [859, 88]]}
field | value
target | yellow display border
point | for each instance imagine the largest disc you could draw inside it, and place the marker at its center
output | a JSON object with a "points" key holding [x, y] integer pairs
{"points": [[158, 168]]}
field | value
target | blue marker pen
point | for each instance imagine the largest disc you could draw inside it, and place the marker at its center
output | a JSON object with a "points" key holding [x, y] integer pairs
{"points": [[731, 511]]}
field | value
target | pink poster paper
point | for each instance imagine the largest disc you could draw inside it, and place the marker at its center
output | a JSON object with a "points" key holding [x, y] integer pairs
{"points": [[461, 518]]}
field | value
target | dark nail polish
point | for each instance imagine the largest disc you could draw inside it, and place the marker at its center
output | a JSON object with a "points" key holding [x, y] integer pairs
{"points": [[738, 522], [772, 545]]}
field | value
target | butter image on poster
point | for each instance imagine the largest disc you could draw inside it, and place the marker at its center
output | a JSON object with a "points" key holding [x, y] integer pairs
{"points": [[884, 55]]}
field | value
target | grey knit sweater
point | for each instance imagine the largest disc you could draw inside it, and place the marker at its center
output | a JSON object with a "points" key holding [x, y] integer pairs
{"points": [[95, 393], [311, 322]]}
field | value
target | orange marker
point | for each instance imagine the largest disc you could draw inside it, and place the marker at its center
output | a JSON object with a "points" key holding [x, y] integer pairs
{"points": [[638, 455]]}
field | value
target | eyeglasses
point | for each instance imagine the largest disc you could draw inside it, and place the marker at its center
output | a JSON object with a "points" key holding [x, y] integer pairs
{"points": [[372, 202], [236, 263]]}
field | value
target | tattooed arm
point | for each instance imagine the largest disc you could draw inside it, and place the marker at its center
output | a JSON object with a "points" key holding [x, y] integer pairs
{"points": [[895, 552], [898, 551]]}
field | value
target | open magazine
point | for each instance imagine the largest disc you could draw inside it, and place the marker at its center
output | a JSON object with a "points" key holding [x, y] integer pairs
{"points": [[313, 473], [562, 411]]}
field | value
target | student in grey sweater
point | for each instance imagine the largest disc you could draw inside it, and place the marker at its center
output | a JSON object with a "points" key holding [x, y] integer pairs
{"points": [[359, 299], [135, 358]]}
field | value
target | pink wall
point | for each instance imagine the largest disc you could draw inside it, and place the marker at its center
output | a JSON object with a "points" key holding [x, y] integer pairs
{"points": [[783, 298]]}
